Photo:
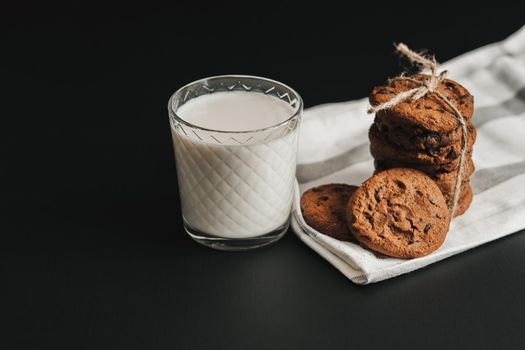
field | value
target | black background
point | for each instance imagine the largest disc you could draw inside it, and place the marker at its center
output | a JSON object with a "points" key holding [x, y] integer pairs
{"points": [[93, 251]]}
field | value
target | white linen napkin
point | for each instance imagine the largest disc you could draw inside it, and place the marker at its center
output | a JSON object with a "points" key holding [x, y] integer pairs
{"points": [[333, 148]]}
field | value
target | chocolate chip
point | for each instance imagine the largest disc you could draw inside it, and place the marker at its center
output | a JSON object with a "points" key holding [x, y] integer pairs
{"points": [[427, 227], [376, 194], [323, 198], [433, 152], [452, 154], [431, 200], [400, 231], [384, 92], [449, 85], [400, 184], [433, 137], [337, 214]]}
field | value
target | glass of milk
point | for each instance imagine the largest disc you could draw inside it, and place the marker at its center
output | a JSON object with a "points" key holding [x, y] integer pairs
{"points": [[235, 140]]}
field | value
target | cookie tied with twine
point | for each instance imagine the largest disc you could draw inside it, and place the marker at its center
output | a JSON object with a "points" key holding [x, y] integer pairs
{"points": [[430, 87]]}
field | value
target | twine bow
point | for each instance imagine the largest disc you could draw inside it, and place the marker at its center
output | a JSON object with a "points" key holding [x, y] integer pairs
{"points": [[422, 88]]}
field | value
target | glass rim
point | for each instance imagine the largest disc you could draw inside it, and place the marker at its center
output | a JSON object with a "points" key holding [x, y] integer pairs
{"points": [[173, 114]]}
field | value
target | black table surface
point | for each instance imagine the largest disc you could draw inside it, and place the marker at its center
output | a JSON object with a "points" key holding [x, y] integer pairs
{"points": [[94, 254]]}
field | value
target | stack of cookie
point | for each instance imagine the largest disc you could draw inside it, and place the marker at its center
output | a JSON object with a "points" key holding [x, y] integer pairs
{"points": [[425, 135]]}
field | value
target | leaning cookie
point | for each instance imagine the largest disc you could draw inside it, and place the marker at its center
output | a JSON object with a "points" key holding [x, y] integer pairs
{"points": [[399, 212], [324, 208]]}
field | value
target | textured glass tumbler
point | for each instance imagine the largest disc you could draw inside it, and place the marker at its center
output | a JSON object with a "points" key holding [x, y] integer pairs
{"points": [[236, 187]]}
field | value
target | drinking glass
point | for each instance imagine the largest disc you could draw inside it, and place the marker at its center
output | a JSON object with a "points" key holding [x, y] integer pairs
{"points": [[235, 187]]}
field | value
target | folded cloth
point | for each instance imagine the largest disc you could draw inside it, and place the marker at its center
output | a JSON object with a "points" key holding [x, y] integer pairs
{"points": [[333, 148]]}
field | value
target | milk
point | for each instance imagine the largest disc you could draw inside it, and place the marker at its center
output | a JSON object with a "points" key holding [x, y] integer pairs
{"points": [[236, 187], [235, 111]]}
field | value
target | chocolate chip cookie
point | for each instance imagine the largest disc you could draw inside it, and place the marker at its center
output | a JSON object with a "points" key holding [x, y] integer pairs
{"points": [[429, 112], [324, 209], [413, 137], [446, 180], [399, 212], [382, 150]]}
